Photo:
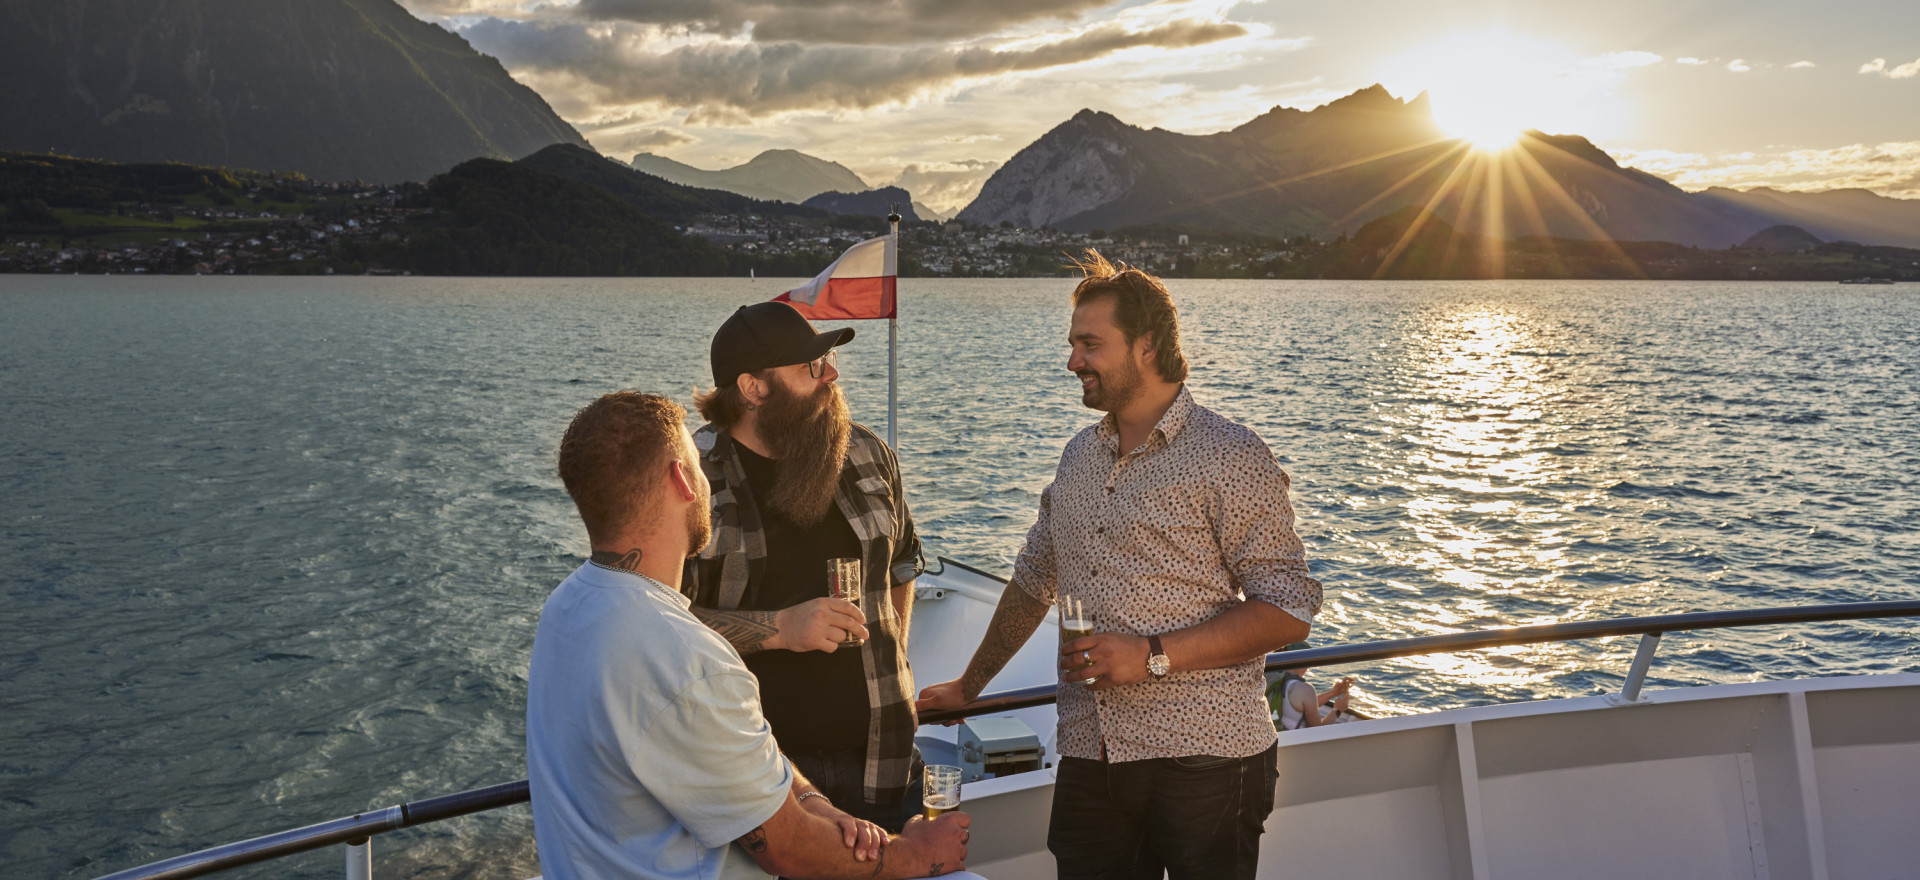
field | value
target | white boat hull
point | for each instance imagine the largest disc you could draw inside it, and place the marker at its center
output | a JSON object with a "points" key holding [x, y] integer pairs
{"points": [[1810, 778]]}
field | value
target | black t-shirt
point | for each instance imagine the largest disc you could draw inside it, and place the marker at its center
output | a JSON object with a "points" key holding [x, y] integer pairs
{"points": [[815, 701]]}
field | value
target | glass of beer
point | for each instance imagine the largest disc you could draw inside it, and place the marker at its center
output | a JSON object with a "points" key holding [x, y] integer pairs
{"points": [[942, 789], [843, 582], [1075, 624]]}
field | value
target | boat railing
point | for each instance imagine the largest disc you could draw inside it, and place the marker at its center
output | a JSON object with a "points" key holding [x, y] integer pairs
{"points": [[357, 831]]}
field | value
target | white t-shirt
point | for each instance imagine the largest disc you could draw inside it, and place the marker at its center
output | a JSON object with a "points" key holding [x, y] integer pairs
{"points": [[646, 750]]}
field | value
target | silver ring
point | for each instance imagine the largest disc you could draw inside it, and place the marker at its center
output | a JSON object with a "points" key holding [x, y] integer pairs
{"points": [[1087, 656]]}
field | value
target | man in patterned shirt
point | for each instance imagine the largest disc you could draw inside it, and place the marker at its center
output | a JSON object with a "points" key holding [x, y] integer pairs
{"points": [[1173, 527], [795, 483]]}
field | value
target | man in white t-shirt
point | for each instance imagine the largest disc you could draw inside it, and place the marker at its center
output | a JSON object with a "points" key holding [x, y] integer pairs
{"points": [[647, 752]]}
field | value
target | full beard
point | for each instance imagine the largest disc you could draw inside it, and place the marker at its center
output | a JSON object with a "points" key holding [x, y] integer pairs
{"points": [[1113, 390], [808, 434]]}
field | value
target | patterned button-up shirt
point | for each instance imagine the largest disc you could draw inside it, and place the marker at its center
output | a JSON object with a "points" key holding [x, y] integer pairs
{"points": [[734, 564], [1171, 534]]}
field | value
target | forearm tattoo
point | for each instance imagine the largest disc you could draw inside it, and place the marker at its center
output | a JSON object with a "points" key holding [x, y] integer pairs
{"points": [[754, 841], [879, 864], [628, 560], [747, 631], [1014, 620]]}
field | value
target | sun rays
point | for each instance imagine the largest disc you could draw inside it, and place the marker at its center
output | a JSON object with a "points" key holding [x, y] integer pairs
{"points": [[1476, 194]]}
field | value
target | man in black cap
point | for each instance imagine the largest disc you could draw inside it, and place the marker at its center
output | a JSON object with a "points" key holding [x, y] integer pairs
{"points": [[795, 483]]}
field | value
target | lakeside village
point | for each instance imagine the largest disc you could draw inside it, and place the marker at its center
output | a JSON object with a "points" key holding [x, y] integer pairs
{"points": [[303, 227], [294, 226]]}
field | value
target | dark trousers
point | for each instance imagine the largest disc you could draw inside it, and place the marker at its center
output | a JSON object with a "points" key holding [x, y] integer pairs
{"points": [[841, 776], [1196, 818]]}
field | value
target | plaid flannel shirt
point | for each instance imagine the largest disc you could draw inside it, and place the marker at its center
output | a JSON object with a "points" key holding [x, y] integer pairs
{"points": [[726, 575]]}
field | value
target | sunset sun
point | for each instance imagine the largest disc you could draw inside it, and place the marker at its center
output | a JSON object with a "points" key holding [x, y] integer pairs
{"points": [[1487, 87]]}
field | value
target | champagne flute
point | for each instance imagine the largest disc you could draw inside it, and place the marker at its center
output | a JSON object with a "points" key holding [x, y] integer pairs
{"points": [[941, 790], [843, 582], [1074, 624]]}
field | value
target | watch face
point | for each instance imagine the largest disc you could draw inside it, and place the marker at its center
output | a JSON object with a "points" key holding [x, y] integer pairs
{"points": [[1157, 664]]}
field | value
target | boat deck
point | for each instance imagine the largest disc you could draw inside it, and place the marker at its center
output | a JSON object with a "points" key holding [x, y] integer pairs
{"points": [[1812, 778]]}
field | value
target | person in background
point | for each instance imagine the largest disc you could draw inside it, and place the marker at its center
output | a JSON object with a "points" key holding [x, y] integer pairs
{"points": [[647, 753], [1299, 704], [1172, 526], [795, 483]]}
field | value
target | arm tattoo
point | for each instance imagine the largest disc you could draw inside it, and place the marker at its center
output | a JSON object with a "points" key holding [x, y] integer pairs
{"points": [[754, 841], [627, 561], [937, 869], [1014, 620], [879, 864], [747, 631]]}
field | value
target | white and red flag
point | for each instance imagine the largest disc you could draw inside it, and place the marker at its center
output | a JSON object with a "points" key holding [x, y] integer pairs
{"points": [[861, 284]]}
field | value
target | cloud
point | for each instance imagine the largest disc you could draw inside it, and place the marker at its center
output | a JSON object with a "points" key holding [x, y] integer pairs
{"points": [[650, 140], [1890, 169], [1739, 65], [1690, 60], [733, 81], [446, 9], [946, 186], [1622, 60], [1905, 71], [1800, 65], [869, 22]]}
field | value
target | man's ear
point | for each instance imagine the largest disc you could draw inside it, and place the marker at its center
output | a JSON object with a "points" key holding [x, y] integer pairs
{"points": [[1145, 353], [751, 388], [680, 475]]}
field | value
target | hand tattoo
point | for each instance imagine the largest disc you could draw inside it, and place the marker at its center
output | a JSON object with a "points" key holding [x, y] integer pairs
{"points": [[937, 869], [628, 561], [754, 841]]}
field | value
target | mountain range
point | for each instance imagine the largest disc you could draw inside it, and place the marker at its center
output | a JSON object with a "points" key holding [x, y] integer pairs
{"points": [[788, 176], [361, 89], [1328, 171], [660, 199], [335, 89], [775, 175]]}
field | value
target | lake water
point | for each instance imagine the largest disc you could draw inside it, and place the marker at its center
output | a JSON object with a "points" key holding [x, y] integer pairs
{"points": [[272, 549]]}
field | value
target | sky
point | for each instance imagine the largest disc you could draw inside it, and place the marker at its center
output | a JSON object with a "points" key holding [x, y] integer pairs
{"points": [[935, 94]]}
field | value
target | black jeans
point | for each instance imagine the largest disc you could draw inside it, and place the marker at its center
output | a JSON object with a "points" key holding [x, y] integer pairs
{"points": [[1196, 818], [841, 776]]}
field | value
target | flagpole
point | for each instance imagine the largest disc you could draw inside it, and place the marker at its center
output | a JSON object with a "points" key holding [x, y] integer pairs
{"points": [[893, 344]]}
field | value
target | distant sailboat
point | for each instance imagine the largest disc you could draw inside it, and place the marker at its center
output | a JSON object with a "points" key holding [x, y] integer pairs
{"points": [[750, 275]]}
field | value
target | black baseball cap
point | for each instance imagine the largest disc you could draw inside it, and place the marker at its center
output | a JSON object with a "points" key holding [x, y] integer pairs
{"points": [[768, 334]]}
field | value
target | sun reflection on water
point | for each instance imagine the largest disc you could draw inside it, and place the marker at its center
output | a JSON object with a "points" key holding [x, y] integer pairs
{"points": [[1478, 417]]}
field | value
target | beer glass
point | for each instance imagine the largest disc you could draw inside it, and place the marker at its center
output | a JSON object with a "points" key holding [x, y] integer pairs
{"points": [[843, 582], [1075, 624], [942, 789]]}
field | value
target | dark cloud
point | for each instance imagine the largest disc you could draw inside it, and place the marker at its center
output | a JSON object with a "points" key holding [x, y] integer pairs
{"points": [[845, 22], [734, 79]]}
